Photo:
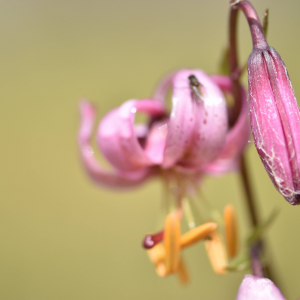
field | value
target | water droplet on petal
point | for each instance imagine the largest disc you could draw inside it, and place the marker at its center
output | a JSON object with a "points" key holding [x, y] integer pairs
{"points": [[90, 151], [163, 127]]}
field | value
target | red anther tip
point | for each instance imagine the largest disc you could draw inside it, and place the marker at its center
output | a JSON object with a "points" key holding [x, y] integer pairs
{"points": [[151, 240]]}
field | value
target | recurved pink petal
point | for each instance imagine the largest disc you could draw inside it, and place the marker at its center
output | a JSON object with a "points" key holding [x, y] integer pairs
{"points": [[211, 121], [182, 120], [156, 139], [237, 137], [100, 175], [117, 137]]}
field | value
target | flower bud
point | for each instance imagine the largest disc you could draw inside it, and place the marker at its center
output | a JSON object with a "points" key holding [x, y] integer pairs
{"points": [[274, 112], [275, 121], [257, 288]]}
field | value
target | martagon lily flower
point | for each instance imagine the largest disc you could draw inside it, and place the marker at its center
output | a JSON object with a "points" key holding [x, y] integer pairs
{"points": [[193, 139]]}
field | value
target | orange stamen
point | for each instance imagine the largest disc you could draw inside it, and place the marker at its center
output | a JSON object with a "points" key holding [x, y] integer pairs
{"points": [[161, 270], [231, 231], [197, 234], [167, 258], [217, 253], [172, 243], [157, 257], [183, 272], [157, 254]]}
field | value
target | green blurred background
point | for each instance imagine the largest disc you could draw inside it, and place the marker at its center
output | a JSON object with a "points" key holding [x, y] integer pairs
{"points": [[63, 237]]}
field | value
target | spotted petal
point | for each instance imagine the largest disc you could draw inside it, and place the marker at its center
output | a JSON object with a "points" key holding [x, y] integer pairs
{"points": [[211, 121], [236, 138], [196, 130], [182, 121]]}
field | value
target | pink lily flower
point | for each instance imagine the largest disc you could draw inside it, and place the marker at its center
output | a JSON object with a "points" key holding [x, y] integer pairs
{"points": [[193, 138], [256, 288], [274, 112]]}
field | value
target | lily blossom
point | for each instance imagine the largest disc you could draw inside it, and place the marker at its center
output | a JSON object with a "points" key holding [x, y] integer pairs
{"points": [[180, 146], [192, 138], [192, 134], [257, 288]]}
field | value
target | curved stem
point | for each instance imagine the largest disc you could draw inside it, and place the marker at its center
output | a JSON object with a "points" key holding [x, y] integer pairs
{"points": [[257, 32], [259, 41], [233, 63], [252, 210], [251, 205], [257, 268]]}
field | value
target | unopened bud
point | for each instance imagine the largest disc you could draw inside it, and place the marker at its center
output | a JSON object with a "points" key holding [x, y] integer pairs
{"points": [[274, 112], [275, 121]]}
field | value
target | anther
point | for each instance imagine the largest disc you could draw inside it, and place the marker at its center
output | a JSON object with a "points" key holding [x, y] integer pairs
{"points": [[166, 256], [161, 270], [172, 242], [216, 253], [183, 272], [231, 231], [151, 240], [199, 233], [157, 254], [190, 238]]}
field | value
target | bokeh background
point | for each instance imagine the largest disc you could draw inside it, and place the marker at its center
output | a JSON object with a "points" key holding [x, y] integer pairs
{"points": [[62, 237]]}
